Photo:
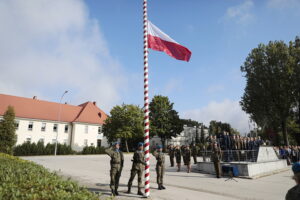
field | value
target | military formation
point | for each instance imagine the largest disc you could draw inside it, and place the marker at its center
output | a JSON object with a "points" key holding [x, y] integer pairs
{"points": [[183, 153], [220, 148], [235, 147], [138, 167]]}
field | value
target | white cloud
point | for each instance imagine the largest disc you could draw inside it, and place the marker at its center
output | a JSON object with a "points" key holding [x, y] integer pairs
{"points": [[49, 46], [225, 111], [240, 14]]}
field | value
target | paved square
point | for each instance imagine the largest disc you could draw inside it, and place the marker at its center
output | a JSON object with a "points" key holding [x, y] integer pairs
{"points": [[92, 171]]}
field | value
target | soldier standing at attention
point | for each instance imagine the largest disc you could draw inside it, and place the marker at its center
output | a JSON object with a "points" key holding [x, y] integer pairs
{"points": [[188, 154], [216, 158], [160, 166], [178, 157], [172, 155], [194, 153], [116, 166], [138, 166]]}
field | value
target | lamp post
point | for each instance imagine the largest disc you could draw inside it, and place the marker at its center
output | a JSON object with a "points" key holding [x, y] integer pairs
{"points": [[59, 115]]}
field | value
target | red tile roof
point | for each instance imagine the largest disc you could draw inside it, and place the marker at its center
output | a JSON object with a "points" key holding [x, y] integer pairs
{"points": [[45, 110]]}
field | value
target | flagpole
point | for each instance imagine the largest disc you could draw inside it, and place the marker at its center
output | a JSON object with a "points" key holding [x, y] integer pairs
{"points": [[146, 103]]}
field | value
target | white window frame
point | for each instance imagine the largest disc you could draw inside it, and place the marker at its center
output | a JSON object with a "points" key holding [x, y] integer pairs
{"points": [[17, 124], [28, 139], [66, 128], [43, 127], [55, 125], [86, 129], [85, 142], [30, 124], [99, 130]]}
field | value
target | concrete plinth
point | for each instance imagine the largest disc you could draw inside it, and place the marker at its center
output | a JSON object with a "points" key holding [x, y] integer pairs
{"points": [[267, 163], [248, 169]]}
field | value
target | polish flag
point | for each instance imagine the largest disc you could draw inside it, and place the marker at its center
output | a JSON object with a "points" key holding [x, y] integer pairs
{"points": [[159, 41]]}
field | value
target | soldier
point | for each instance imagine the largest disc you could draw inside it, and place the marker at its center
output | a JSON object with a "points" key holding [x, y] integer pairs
{"points": [[187, 154], [172, 155], [194, 153], [294, 192], [138, 166], [116, 166], [160, 166], [216, 158], [178, 157]]}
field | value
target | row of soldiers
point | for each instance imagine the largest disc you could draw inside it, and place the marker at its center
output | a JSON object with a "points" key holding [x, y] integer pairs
{"points": [[138, 167], [235, 142], [184, 152]]}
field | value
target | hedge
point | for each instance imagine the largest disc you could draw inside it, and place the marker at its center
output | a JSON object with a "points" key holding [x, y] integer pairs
{"points": [[29, 149], [93, 150], [21, 179]]}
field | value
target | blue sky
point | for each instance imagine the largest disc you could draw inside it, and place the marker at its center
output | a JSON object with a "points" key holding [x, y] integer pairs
{"points": [[94, 49]]}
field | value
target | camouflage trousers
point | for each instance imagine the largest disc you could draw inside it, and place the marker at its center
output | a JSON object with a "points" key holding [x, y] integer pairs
{"points": [[115, 174], [160, 171], [139, 172]]}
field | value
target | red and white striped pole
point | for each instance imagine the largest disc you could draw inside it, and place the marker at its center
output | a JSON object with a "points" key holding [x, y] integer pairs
{"points": [[146, 103]]}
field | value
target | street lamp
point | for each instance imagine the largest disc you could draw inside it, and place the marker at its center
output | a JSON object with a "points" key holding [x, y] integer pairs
{"points": [[59, 115]]}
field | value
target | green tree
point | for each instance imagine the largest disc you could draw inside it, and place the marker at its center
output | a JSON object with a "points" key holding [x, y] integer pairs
{"points": [[164, 120], [125, 122], [268, 96], [8, 137]]}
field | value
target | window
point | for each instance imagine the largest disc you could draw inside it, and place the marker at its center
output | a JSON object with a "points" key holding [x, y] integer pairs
{"points": [[85, 142], [30, 126], [42, 140], [43, 128], [98, 143], [17, 125], [65, 141], [86, 129], [28, 139], [66, 128], [53, 141], [99, 129], [55, 127]]}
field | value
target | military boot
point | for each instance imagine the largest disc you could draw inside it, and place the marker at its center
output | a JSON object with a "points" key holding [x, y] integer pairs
{"points": [[159, 187], [140, 192], [162, 187], [113, 192], [129, 190]]}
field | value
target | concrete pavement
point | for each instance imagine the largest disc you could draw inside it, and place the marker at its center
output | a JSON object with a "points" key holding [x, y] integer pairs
{"points": [[92, 171]]}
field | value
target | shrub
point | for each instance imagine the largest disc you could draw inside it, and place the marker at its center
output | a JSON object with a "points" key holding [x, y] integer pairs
{"points": [[93, 150], [28, 149], [8, 137], [20, 179]]}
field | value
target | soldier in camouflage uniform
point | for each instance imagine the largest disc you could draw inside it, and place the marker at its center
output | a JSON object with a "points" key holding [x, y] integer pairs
{"points": [[178, 157], [160, 166], [216, 158], [187, 155], [116, 166], [138, 167], [194, 153], [171, 154]]}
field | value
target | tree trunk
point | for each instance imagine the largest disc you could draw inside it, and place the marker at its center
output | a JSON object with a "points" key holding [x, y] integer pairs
{"points": [[126, 145], [284, 132], [163, 142]]}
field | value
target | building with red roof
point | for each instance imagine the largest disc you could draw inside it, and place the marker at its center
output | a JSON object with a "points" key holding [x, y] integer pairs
{"points": [[39, 120]]}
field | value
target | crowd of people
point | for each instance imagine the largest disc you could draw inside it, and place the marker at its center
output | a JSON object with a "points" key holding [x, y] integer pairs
{"points": [[290, 153]]}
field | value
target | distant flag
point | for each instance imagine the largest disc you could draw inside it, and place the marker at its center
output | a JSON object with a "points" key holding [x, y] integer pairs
{"points": [[159, 41]]}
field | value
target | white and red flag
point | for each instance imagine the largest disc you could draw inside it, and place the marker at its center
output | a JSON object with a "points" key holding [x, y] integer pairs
{"points": [[159, 41]]}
